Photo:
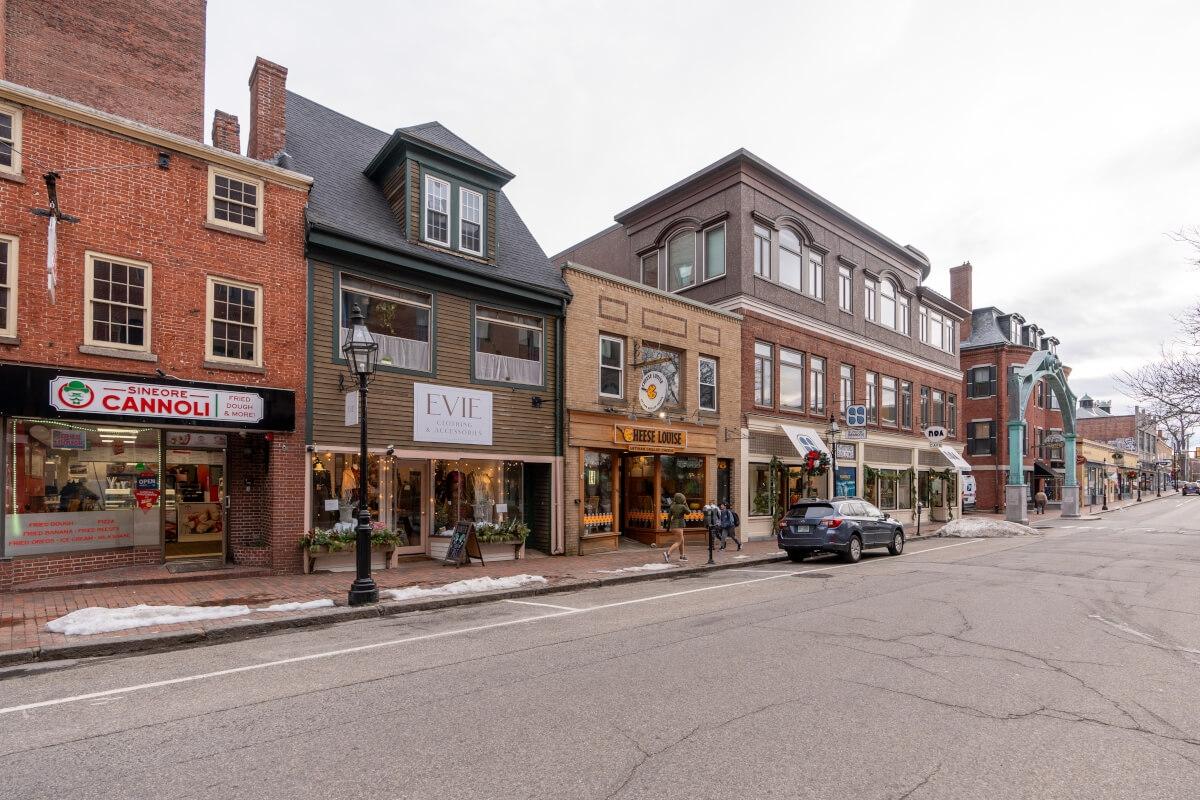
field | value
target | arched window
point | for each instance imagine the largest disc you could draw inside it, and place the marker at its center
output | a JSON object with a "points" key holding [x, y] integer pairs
{"points": [[790, 259], [681, 261], [887, 304]]}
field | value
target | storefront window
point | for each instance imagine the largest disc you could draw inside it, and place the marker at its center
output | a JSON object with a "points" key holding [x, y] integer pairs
{"points": [[598, 512], [891, 490], [335, 489], [470, 490], [684, 475], [763, 496], [77, 487]]}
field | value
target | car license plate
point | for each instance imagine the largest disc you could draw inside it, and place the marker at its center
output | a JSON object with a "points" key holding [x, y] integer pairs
{"points": [[800, 528]]}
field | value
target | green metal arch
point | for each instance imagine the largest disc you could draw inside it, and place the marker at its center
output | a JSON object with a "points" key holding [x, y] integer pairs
{"points": [[1042, 365]]}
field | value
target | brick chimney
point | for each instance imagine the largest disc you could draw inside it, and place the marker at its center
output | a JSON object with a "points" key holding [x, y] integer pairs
{"points": [[267, 99], [226, 132], [960, 294]]}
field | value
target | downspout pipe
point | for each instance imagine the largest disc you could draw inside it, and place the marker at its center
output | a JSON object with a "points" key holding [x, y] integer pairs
{"points": [[559, 547]]}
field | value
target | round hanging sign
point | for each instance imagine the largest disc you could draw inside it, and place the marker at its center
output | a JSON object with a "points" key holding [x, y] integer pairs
{"points": [[653, 391]]}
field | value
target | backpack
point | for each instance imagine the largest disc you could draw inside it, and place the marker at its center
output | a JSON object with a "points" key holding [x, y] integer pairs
{"points": [[737, 521]]}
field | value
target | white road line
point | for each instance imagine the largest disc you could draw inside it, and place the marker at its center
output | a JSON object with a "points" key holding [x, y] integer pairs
{"points": [[443, 634], [752, 569], [543, 605]]}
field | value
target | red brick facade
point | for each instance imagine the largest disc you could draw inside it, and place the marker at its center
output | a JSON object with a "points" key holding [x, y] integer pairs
{"points": [[160, 217], [759, 328], [140, 59]]}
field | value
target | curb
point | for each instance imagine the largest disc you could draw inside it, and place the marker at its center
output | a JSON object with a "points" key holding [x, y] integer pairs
{"points": [[248, 629]]}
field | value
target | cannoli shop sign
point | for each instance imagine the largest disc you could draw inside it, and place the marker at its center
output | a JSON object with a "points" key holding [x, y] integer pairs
{"points": [[654, 440], [122, 398]]}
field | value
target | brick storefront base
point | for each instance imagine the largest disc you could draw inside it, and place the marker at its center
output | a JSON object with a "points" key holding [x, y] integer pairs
{"points": [[24, 569]]}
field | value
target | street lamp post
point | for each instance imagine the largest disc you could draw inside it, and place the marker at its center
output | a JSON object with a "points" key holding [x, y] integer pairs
{"points": [[833, 432], [1104, 485], [362, 353]]}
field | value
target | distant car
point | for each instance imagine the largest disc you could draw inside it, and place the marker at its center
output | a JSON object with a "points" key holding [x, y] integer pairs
{"points": [[843, 525], [1191, 488]]}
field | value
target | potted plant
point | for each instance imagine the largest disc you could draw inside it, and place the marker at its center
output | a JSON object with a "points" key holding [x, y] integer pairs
{"points": [[323, 541], [502, 540]]}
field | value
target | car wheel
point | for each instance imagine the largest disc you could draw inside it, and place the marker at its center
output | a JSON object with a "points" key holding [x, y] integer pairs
{"points": [[897, 545], [797, 555], [853, 550]]}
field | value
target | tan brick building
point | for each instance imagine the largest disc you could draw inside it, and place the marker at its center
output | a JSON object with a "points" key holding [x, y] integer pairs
{"points": [[653, 402]]}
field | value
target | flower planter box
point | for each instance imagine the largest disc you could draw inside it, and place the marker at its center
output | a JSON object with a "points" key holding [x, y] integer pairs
{"points": [[492, 551], [311, 554]]}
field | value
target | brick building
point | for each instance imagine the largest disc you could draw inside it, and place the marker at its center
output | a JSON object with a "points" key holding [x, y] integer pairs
{"points": [[994, 345], [655, 385], [834, 313], [148, 381], [1136, 433]]}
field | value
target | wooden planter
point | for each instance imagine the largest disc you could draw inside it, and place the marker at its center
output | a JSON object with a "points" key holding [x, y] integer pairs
{"points": [[492, 551], [311, 554]]}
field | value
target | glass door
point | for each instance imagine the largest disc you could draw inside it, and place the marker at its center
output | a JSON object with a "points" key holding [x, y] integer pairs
{"points": [[194, 503], [405, 484]]}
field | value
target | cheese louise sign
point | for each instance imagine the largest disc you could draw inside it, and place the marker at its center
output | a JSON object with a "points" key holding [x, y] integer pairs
{"points": [[75, 395], [451, 415]]}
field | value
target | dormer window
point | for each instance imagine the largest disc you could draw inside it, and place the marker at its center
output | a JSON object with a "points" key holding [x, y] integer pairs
{"points": [[470, 226], [437, 210]]}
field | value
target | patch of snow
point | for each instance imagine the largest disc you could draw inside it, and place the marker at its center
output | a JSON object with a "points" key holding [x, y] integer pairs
{"points": [[89, 621], [975, 528], [326, 603], [86, 621], [659, 567], [468, 586]]}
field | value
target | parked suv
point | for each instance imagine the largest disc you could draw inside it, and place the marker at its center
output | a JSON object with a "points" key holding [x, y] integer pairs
{"points": [[843, 525]]}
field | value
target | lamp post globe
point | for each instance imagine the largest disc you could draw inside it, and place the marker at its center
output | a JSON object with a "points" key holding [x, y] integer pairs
{"points": [[362, 355]]}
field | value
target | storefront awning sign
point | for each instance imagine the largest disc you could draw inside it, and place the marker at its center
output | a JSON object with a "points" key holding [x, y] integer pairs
{"points": [[804, 439], [649, 440], [77, 395], [955, 459]]}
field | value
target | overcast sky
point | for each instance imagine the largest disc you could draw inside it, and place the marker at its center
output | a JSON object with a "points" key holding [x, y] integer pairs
{"points": [[1052, 144]]}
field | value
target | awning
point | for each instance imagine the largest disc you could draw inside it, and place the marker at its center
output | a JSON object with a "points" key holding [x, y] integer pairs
{"points": [[805, 439], [956, 460], [1040, 470]]}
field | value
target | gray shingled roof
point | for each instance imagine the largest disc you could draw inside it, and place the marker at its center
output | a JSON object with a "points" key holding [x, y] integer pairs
{"points": [[438, 135], [335, 149], [985, 329]]}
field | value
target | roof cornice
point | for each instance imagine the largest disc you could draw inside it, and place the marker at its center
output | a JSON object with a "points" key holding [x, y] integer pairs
{"points": [[138, 131]]}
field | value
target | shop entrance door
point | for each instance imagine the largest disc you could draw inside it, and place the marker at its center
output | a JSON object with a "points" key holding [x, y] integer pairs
{"points": [[194, 491], [405, 499]]}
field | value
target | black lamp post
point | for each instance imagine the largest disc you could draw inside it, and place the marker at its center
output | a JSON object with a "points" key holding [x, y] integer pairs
{"points": [[362, 352], [1104, 485]]}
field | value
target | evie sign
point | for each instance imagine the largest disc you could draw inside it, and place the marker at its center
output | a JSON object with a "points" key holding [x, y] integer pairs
{"points": [[121, 398], [451, 415]]}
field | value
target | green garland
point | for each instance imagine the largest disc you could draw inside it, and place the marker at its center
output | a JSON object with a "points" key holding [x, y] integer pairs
{"points": [[774, 472]]}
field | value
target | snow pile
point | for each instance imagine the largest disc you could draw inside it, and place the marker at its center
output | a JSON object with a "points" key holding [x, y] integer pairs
{"points": [[975, 528], [469, 586], [326, 603], [88, 621], [658, 567]]}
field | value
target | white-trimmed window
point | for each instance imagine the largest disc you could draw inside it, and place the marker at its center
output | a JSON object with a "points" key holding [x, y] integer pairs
{"points": [[234, 201], [872, 398], [681, 261], [9, 273], [650, 270], [508, 347], [902, 314], [437, 210], [10, 140], [871, 299], [117, 303], [816, 384], [399, 320], [714, 252], [764, 382], [845, 289], [762, 252], [887, 404], [791, 379], [707, 373], [847, 387], [923, 324], [887, 304], [470, 221], [612, 367], [937, 329], [815, 279], [234, 329], [790, 259]]}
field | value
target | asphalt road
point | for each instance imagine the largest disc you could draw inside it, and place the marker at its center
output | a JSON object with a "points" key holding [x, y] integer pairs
{"points": [[1063, 665]]}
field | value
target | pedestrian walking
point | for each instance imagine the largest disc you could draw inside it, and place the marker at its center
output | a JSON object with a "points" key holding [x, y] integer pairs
{"points": [[676, 518], [1039, 501], [729, 525]]}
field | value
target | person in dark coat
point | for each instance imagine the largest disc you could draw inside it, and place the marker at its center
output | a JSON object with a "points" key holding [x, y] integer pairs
{"points": [[729, 525]]}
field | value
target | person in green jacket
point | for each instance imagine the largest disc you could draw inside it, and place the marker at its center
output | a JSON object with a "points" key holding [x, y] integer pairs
{"points": [[676, 519]]}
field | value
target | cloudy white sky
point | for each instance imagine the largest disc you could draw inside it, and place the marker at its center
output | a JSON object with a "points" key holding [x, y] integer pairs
{"points": [[1052, 144]]}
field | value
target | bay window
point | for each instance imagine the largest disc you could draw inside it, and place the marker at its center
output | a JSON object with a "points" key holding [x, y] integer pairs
{"points": [[508, 347], [398, 319]]}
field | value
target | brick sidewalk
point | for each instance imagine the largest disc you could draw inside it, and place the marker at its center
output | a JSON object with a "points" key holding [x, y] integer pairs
{"points": [[23, 615]]}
